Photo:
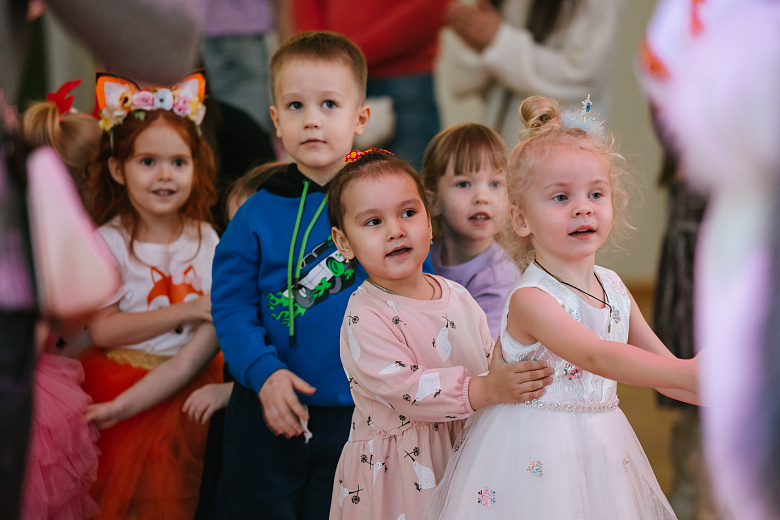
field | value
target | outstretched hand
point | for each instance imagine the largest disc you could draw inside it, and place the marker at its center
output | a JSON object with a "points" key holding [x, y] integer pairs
{"points": [[282, 411]]}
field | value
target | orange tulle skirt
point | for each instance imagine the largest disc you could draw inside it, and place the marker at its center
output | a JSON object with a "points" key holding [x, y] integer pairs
{"points": [[150, 464]]}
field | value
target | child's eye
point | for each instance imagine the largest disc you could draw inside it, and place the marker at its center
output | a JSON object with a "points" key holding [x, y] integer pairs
{"points": [[147, 161], [179, 162], [408, 213], [295, 105], [463, 184], [496, 184], [596, 195], [373, 222], [329, 104], [560, 198]]}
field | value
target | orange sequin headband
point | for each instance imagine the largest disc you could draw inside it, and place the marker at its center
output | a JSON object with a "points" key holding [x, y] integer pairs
{"points": [[354, 155]]}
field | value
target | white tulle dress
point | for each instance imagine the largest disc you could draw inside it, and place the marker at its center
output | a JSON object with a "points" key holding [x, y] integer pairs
{"points": [[568, 455]]}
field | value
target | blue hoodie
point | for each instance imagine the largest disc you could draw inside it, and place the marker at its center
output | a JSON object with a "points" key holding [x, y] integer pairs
{"points": [[261, 329]]}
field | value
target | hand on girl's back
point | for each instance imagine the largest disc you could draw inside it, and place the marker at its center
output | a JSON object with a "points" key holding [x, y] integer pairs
{"points": [[518, 382], [528, 374]]}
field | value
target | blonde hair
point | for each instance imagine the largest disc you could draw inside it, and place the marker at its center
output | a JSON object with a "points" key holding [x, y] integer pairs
{"points": [[74, 135], [544, 133], [467, 146]]}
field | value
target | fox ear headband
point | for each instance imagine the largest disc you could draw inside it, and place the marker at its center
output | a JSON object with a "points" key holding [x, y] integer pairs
{"points": [[117, 97]]}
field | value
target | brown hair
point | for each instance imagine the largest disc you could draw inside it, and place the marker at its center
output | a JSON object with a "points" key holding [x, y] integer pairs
{"points": [[373, 165], [75, 136], [466, 146], [545, 134], [248, 184], [108, 198], [321, 46]]}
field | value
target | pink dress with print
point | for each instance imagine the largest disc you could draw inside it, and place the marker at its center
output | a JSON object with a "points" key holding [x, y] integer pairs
{"points": [[409, 363]]}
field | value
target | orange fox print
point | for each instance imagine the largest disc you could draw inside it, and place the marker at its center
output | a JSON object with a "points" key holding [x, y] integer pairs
{"points": [[175, 287]]}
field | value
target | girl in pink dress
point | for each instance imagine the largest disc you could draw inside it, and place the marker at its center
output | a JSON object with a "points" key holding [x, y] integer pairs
{"points": [[62, 458], [413, 346]]}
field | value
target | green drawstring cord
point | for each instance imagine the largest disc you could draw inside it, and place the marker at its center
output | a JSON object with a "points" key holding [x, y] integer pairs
{"points": [[290, 297]]}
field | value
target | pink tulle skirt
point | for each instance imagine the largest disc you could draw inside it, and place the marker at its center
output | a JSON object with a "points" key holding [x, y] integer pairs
{"points": [[63, 456]]}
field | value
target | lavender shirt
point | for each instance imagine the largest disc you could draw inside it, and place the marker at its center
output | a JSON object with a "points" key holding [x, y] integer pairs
{"points": [[488, 277]]}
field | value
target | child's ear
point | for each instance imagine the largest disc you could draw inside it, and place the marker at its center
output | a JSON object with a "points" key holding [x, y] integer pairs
{"points": [[519, 222], [275, 119], [117, 172], [342, 243], [364, 114], [432, 202]]}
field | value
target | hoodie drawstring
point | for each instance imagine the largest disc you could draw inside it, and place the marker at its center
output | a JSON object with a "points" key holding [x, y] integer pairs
{"points": [[290, 296]]}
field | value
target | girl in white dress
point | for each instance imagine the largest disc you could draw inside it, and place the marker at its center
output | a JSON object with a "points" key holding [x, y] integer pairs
{"points": [[571, 454]]}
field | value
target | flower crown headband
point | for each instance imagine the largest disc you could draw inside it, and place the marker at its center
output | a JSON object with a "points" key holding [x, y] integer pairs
{"points": [[117, 97]]}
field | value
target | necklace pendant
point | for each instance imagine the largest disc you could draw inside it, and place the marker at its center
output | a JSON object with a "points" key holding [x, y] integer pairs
{"points": [[609, 326]]}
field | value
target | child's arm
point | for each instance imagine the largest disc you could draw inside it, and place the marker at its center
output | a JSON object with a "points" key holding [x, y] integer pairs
{"points": [[387, 370], [203, 402], [110, 327], [160, 383], [236, 301], [642, 335], [535, 315]]}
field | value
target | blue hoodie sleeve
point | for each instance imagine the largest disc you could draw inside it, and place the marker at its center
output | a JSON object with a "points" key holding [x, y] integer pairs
{"points": [[235, 302]]}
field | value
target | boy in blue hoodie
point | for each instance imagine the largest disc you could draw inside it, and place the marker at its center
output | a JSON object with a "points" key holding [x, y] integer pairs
{"points": [[280, 288]]}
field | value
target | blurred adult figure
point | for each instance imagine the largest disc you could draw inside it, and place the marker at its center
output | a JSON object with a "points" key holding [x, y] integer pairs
{"points": [[153, 40], [508, 50]]}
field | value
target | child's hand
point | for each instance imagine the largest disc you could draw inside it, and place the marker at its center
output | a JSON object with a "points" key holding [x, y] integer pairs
{"points": [[282, 410], [201, 308], [510, 383], [104, 415], [497, 356], [203, 402]]}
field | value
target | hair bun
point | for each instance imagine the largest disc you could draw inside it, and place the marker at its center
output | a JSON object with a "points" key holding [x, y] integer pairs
{"points": [[535, 112]]}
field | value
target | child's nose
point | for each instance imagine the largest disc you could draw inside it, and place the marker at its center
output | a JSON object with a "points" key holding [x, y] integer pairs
{"points": [[395, 229], [481, 194], [582, 207], [311, 119], [164, 172]]}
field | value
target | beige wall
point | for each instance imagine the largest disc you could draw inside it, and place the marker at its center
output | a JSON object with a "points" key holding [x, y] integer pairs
{"points": [[629, 120]]}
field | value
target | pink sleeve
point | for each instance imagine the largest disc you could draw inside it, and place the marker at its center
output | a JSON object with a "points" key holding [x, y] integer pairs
{"points": [[383, 367]]}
